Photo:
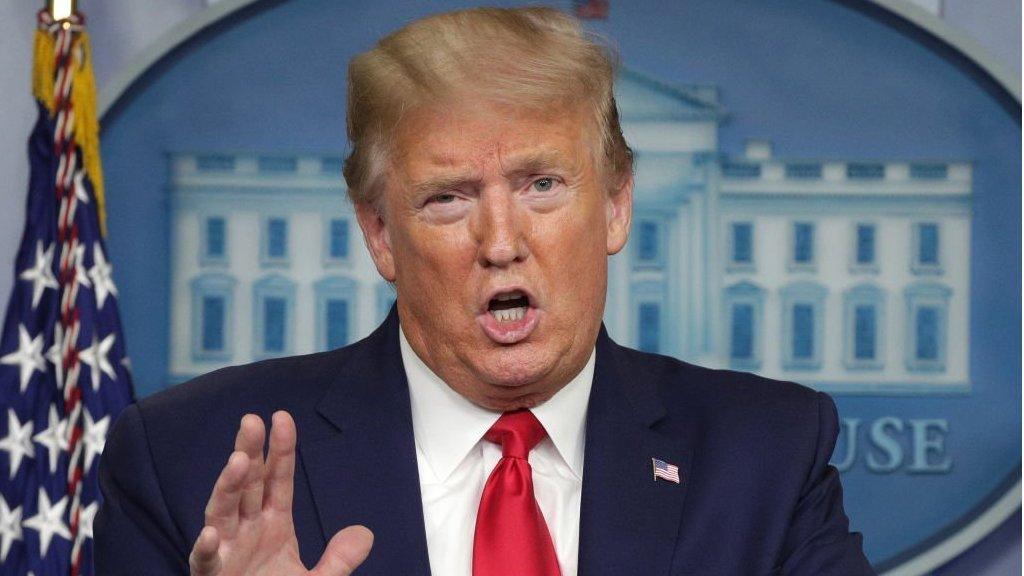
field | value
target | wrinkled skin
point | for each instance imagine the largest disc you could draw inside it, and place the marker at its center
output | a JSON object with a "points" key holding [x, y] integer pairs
{"points": [[487, 198], [476, 201], [249, 529]]}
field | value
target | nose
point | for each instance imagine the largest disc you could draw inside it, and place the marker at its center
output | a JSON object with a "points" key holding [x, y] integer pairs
{"points": [[499, 229]]}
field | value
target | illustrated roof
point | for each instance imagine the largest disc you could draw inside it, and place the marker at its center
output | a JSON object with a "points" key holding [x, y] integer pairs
{"points": [[642, 98]]}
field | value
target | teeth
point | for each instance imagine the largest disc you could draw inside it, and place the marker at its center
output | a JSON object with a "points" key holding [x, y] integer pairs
{"points": [[510, 315], [509, 296]]}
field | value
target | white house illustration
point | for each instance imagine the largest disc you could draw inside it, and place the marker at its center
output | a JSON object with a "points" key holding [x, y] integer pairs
{"points": [[851, 276]]}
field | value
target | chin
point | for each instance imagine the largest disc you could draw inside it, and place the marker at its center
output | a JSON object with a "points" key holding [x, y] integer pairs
{"points": [[516, 368], [510, 404]]}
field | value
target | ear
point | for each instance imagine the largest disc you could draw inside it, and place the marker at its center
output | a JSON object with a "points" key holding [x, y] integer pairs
{"points": [[619, 214], [377, 239]]}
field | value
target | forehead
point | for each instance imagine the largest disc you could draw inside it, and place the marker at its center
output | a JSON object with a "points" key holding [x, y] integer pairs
{"points": [[466, 138]]}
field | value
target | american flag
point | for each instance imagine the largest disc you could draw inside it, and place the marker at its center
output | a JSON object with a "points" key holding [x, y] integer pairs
{"points": [[63, 370], [591, 9], [665, 471]]}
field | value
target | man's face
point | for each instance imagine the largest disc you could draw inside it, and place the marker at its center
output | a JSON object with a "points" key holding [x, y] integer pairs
{"points": [[495, 227]]}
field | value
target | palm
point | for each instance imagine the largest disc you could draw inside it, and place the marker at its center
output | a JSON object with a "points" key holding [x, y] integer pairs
{"points": [[264, 545], [249, 529]]}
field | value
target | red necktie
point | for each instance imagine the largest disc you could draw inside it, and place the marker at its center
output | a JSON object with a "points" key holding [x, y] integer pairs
{"points": [[511, 535]]}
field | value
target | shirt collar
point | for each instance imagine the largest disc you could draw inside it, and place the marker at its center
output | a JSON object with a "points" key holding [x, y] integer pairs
{"points": [[564, 416], [447, 426]]}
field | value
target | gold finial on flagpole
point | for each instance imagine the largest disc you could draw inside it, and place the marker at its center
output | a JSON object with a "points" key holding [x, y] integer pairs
{"points": [[62, 9]]}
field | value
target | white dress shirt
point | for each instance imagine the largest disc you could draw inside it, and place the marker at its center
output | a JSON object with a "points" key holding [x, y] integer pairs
{"points": [[454, 462]]}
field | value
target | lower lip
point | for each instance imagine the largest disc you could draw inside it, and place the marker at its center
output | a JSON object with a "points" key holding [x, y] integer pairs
{"points": [[509, 332]]}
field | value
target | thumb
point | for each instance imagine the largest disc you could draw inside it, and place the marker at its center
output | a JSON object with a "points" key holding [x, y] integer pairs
{"points": [[345, 552]]}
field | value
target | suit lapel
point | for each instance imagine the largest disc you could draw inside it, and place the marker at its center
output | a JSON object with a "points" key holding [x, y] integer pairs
{"points": [[629, 523], [362, 467]]}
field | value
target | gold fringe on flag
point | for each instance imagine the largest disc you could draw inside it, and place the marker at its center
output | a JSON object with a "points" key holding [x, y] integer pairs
{"points": [[87, 125], [43, 69], [83, 96]]}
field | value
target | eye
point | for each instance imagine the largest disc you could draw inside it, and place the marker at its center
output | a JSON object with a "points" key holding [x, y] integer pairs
{"points": [[443, 198], [543, 184]]}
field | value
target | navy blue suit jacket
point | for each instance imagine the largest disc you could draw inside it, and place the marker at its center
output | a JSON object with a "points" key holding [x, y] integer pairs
{"points": [[757, 494]]}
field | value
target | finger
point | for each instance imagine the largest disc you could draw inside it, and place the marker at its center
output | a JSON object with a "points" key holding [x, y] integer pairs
{"points": [[204, 560], [345, 552], [250, 438], [281, 463], [222, 508]]}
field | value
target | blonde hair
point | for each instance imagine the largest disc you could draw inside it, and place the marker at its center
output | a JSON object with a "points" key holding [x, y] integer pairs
{"points": [[528, 58]]}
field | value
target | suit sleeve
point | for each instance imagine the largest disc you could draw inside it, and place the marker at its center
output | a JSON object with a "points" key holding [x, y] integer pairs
{"points": [[133, 531], [819, 541]]}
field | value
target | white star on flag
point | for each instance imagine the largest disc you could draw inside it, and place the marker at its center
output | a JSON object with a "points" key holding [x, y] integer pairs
{"points": [[81, 274], [41, 273], [55, 356], [95, 356], [49, 521], [54, 438], [10, 527], [102, 281], [80, 192], [18, 442], [28, 356], [94, 438], [85, 520]]}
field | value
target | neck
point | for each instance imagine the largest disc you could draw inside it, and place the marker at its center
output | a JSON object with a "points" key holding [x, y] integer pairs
{"points": [[478, 388]]}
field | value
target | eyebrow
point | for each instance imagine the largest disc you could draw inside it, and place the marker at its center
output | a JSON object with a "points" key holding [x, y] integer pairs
{"points": [[535, 162], [517, 166], [432, 186]]}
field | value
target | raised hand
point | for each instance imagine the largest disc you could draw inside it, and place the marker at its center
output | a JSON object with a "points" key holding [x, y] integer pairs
{"points": [[249, 527]]}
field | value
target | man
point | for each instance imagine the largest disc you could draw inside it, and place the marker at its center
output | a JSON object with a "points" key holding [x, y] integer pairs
{"points": [[489, 426]]}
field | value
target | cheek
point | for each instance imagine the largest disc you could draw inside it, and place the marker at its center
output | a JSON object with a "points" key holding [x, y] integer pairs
{"points": [[418, 244], [585, 229], [576, 255], [432, 261]]}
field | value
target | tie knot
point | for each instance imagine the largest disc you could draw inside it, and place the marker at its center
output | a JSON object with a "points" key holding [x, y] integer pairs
{"points": [[517, 433]]}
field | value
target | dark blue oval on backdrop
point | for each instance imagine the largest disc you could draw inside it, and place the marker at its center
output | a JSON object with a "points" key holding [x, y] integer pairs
{"points": [[841, 82]]}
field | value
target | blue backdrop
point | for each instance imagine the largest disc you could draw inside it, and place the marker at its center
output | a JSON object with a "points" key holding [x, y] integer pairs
{"points": [[821, 79]]}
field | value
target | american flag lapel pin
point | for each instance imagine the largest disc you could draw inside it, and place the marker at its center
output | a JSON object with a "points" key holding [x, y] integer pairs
{"points": [[665, 471]]}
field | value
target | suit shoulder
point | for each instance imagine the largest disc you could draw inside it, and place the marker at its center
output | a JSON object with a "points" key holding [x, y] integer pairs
{"points": [[721, 399], [293, 383], [678, 379], [266, 377], [740, 413]]}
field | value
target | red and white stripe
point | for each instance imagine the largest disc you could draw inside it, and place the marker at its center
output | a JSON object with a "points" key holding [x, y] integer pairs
{"points": [[66, 151]]}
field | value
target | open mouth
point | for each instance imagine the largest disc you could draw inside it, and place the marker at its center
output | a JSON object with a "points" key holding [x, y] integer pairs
{"points": [[511, 315], [509, 307]]}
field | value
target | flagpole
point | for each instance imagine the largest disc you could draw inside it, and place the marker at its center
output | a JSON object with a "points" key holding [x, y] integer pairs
{"points": [[66, 28], [62, 9]]}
